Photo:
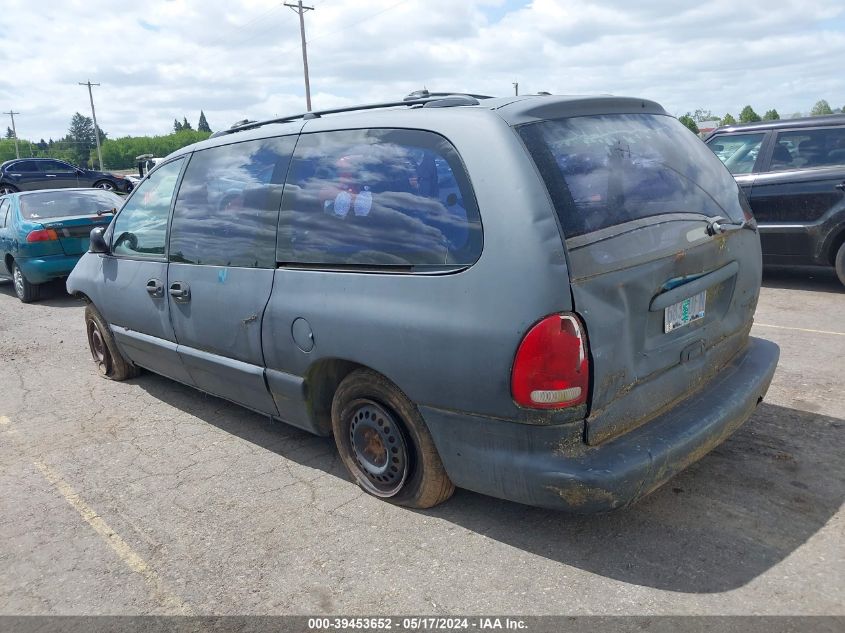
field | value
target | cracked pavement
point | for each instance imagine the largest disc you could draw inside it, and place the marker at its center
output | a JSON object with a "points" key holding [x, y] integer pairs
{"points": [[148, 497]]}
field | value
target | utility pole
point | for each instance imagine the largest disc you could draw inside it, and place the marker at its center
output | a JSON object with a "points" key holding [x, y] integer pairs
{"points": [[14, 132], [516, 88], [301, 9], [94, 117]]}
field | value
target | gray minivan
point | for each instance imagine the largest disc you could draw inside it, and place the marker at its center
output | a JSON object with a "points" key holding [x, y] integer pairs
{"points": [[545, 299]]}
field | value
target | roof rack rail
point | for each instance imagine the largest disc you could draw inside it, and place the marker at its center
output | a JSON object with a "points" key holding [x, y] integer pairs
{"points": [[410, 100]]}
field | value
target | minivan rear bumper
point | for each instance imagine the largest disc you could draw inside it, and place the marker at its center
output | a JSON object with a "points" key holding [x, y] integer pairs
{"points": [[550, 466]]}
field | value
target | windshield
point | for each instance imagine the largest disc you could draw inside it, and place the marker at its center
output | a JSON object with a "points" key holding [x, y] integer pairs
{"points": [[608, 169], [60, 204]]}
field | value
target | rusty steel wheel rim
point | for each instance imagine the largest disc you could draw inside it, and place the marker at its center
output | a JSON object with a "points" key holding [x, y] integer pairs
{"points": [[378, 448], [99, 351]]}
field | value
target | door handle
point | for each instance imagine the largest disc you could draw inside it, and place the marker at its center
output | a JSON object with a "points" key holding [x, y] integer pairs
{"points": [[841, 186], [50, 175], [180, 291], [155, 287]]}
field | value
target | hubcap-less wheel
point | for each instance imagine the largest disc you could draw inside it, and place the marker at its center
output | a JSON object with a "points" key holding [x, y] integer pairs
{"points": [[99, 351], [105, 185], [379, 449]]}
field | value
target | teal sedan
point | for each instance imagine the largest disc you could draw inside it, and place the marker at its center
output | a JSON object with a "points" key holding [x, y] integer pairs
{"points": [[44, 233]]}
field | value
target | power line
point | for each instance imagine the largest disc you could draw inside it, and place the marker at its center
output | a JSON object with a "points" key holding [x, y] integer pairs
{"points": [[14, 132], [301, 9], [94, 117], [349, 25]]}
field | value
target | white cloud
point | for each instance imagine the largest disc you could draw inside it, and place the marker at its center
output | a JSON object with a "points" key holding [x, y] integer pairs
{"points": [[157, 60]]}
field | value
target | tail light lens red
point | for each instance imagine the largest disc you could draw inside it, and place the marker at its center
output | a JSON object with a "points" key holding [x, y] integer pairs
{"points": [[551, 369], [42, 235]]}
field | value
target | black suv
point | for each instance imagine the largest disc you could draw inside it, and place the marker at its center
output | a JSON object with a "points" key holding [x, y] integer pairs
{"points": [[793, 172], [25, 174]]}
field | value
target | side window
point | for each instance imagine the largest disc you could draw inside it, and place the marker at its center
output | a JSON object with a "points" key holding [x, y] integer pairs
{"points": [[738, 151], [378, 198], [4, 213], [54, 166], [803, 149], [24, 166], [227, 209], [140, 229]]}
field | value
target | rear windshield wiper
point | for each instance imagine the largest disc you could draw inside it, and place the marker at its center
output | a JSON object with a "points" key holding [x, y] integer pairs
{"points": [[719, 225]]}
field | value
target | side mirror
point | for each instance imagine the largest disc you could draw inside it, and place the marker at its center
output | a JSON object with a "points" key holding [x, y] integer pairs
{"points": [[98, 242]]}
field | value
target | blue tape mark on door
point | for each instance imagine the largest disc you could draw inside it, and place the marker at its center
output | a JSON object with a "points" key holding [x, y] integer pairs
{"points": [[222, 274]]}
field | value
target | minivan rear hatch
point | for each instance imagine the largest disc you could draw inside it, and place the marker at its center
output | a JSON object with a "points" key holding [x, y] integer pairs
{"points": [[663, 272]]}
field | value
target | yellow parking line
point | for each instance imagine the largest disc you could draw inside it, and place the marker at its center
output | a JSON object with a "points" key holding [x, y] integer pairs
{"points": [[800, 329], [129, 557]]}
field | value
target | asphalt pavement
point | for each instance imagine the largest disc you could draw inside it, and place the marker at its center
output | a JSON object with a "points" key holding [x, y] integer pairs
{"points": [[148, 497]]}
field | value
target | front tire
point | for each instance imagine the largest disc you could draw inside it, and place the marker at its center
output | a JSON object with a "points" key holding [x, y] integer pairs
{"points": [[106, 185], [385, 444], [25, 290], [110, 362], [839, 263]]}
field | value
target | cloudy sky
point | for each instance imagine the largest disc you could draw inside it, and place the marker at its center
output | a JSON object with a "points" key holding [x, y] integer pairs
{"points": [[160, 59]]}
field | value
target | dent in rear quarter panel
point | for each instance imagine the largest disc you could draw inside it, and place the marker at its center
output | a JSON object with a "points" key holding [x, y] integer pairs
{"points": [[447, 340]]}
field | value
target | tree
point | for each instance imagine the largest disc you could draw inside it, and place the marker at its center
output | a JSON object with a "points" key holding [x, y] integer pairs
{"points": [[821, 108], [202, 126], [728, 119], [702, 115], [771, 115], [185, 124], [42, 145], [796, 115], [9, 133], [177, 127], [748, 115], [80, 136], [687, 120]]}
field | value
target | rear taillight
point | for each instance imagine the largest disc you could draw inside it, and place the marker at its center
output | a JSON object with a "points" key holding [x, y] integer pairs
{"points": [[42, 235], [551, 369]]}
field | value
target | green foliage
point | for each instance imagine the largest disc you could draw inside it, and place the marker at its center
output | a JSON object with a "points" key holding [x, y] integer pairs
{"points": [[748, 115], [687, 120], [120, 153], [203, 126], [728, 119], [821, 108], [771, 115], [177, 127], [80, 139], [9, 133], [185, 124]]}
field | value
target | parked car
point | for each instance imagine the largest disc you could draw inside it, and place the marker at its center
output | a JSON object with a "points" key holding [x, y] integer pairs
{"points": [[544, 299], [43, 233], [26, 174], [793, 172]]}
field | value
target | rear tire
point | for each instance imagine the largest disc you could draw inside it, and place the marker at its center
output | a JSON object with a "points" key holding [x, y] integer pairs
{"points": [[110, 362], [839, 263], [26, 291], [4, 189], [385, 444]]}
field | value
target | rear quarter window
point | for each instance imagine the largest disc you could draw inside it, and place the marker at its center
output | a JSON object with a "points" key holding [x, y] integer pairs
{"points": [[378, 197], [606, 170]]}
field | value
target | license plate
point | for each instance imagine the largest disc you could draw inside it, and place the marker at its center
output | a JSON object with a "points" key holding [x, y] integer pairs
{"points": [[684, 312]]}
